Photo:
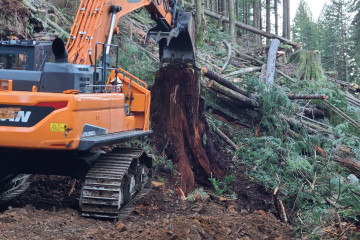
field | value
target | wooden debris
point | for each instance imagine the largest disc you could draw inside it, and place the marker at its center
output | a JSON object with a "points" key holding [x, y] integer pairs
{"points": [[157, 184], [232, 94], [223, 81], [270, 66], [294, 96], [253, 29], [228, 57], [243, 71], [279, 206], [226, 139]]}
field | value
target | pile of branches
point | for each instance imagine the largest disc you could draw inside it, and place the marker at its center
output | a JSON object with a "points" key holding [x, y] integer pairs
{"points": [[301, 133]]}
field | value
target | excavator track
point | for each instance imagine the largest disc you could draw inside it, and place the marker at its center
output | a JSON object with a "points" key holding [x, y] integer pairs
{"points": [[12, 186], [115, 182]]}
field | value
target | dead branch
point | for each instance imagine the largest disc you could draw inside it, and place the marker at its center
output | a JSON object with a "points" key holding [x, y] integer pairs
{"points": [[226, 139], [279, 206], [342, 114], [228, 57]]}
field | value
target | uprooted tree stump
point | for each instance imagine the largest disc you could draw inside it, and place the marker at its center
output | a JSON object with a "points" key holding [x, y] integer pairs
{"points": [[308, 65], [180, 129]]}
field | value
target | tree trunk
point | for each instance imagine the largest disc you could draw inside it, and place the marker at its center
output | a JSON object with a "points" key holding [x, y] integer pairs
{"points": [[256, 17], [276, 17], [268, 22], [232, 20], [199, 22], [285, 18], [253, 29], [180, 130]]}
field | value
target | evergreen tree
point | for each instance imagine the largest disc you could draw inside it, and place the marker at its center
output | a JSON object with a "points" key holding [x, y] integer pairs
{"points": [[304, 29], [335, 44]]}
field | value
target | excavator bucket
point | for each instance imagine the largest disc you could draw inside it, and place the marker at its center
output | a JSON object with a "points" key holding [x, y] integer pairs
{"points": [[177, 45]]}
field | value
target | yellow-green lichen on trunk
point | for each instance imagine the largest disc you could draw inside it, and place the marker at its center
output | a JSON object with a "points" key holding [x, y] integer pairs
{"points": [[309, 65]]}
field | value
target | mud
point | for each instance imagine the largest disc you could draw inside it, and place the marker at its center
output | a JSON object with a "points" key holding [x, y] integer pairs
{"points": [[46, 211]]}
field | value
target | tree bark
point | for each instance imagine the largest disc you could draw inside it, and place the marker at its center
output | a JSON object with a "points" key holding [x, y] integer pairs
{"points": [[179, 125], [286, 19], [199, 22], [223, 81], [253, 29], [306, 96], [346, 158], [256, 19], [232, 94], [268, 21], [231, 20], [270, 70], [276, 17], [243, 71]]}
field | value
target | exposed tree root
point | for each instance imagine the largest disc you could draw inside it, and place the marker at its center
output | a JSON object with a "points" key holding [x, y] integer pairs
{"points": [[180, 130]]}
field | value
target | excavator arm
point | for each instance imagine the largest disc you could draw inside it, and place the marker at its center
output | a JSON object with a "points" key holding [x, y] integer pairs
{"points": [[96, 22]]}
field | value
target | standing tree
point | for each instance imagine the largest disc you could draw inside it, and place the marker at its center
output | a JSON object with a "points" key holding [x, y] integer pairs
{"points": [[268, 21], [305, 30], [286, 19], [334, 38], [257, 19], [276, 15], [232, 19]]}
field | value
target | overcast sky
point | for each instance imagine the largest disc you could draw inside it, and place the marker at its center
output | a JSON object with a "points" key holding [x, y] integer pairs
{"points": [[315, 6]]}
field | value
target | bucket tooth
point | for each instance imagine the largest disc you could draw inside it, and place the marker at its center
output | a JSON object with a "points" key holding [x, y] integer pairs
{"points": [[178, 44]]}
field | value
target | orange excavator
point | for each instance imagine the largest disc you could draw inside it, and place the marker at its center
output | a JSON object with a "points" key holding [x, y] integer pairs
{"points": [[60, 105]]}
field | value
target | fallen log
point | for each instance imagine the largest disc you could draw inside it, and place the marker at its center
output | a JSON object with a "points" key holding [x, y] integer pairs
{"points": [[313, 112], [45, 19], [243, 71], [346, 158], [342, 114], [232, 94], [253, 29], [223, 81], [257, 61], [294, 96]]}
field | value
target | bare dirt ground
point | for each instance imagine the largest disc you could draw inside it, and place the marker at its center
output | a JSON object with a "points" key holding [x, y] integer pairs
{"points": [[46, 211]]}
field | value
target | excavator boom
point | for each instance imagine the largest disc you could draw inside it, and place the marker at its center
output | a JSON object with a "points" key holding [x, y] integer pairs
{"points": [[174, 29]]}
